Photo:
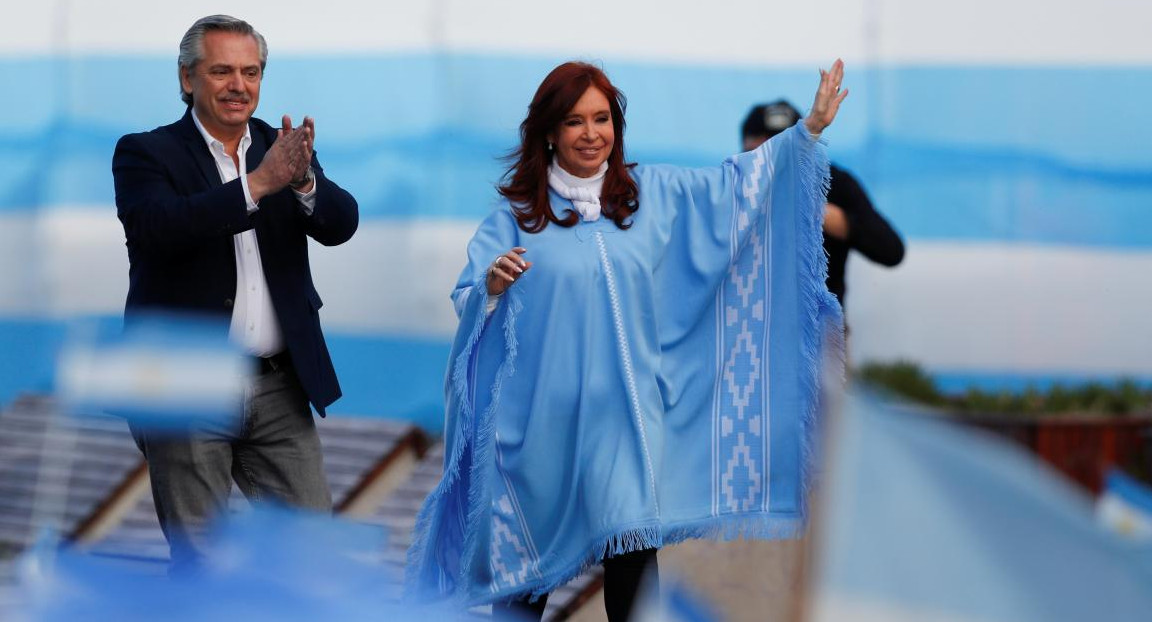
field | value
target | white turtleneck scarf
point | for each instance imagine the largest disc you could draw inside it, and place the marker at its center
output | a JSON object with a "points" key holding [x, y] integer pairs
{"points": [[584, 192]]}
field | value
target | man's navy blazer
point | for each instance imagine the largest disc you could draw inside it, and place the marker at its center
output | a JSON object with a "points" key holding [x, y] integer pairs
{"points": [[179, 219]]}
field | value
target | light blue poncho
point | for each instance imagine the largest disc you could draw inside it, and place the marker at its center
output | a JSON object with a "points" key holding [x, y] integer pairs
{"points": [[635, 387]]}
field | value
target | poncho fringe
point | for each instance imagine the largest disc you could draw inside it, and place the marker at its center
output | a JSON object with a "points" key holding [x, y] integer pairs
{"points": [[462, 382]]}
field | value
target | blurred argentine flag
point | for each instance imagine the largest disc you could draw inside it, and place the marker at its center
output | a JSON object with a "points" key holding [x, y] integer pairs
{"points": [[924, 520], [1126, 507], [158, 370]]}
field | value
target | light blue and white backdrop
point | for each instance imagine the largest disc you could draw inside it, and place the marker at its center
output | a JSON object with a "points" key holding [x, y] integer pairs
{"points": [[1009, 141]]}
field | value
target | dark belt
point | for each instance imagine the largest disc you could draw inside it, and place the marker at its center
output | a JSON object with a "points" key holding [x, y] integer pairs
{"points": [[276, 362]]}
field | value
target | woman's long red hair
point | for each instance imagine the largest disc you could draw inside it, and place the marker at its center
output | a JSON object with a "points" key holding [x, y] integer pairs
{"points": [[526, 181]]}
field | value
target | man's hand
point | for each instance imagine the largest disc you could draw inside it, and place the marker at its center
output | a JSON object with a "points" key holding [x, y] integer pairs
{"points": [[287, 159], [835, 222], [305, 182]]}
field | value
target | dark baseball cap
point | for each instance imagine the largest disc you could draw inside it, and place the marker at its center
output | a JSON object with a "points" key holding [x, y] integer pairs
{"points": [[769, 119]]}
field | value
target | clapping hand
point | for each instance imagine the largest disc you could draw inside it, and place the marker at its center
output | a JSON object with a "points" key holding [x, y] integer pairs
{"points": [[301, 181], [287, 160]]}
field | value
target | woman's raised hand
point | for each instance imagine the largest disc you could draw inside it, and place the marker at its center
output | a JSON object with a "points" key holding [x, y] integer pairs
{"points": [[828, 98], [506, 270]]}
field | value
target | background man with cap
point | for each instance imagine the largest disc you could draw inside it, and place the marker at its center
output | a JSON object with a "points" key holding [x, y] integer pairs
{"points": [[850, 221]]}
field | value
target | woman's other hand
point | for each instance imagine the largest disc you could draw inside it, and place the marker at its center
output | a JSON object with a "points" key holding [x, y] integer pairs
{"points": [[506, 269]]}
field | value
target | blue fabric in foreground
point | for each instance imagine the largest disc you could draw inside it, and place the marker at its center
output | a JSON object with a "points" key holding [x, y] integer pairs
{"points": [[268, 565], [635, 387], [930, 519]]}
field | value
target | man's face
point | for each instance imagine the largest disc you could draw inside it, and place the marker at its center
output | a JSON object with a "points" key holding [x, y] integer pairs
{"points": [[225, 84]]}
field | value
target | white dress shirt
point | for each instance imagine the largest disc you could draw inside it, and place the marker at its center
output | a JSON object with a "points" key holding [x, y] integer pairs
{"points": [[254, 324]]}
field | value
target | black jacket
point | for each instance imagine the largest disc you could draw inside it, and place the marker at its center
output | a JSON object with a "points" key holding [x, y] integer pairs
{"points": [[179, 220], [868, 232]]}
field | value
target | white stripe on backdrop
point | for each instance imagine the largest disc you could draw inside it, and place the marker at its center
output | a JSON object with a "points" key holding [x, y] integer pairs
{"points": [[726, 31], [1012, 308]]}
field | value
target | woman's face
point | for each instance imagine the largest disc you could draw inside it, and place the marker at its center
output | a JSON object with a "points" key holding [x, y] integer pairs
{"points": [[585, 135]]}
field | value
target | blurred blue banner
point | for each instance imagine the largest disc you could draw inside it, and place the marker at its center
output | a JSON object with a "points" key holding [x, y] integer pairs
{"points": [[268, 565], [926, 520], [675, 602]]}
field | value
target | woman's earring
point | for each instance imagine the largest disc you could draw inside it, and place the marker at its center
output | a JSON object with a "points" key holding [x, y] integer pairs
{"points": [[549, 146]]}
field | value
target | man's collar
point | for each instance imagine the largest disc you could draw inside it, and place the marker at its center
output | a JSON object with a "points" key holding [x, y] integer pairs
{"points": [[211, 140]]}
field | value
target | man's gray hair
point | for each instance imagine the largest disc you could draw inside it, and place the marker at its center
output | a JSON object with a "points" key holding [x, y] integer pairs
{"points": [[192, 45]]}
